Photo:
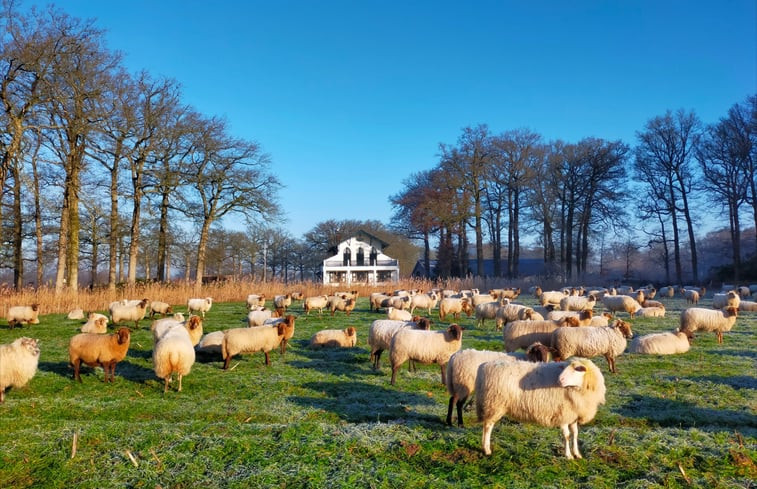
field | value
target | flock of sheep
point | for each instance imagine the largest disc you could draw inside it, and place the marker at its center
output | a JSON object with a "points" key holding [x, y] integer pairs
{"points": [[553, 383]]}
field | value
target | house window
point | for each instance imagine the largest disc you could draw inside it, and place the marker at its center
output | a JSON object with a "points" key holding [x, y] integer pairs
{"points": [[347, 257], [360, 257], [373, 256]]}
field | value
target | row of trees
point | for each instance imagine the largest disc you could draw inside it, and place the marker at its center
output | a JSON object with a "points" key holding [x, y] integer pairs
{"points": [[568, 196], [85, 146]]}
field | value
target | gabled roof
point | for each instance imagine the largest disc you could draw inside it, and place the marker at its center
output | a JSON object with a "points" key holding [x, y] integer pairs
{"points": [[370, 239]]}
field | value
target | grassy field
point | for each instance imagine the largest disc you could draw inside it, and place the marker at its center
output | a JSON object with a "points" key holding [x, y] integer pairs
{"points": [[326, 419]]}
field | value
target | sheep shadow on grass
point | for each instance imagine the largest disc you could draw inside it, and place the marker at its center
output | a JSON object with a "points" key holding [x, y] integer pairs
{"points": [[337, 361], [61, 368], [358, 402], [679, 414]]}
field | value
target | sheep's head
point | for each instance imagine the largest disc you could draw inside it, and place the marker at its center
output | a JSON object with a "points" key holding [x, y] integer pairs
{"points": [[423, 323], [582, 373], [35, 307], [455, 332], [570, 321], [730, 311], [587, 314], [194, 322], [31, 345], [101, 322], [143, 303], [537, 352], [624, 327], [351, 331], [123, 335]]}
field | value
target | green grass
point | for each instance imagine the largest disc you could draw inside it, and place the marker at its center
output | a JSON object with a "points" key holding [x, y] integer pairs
{"points": [[326, 419]]}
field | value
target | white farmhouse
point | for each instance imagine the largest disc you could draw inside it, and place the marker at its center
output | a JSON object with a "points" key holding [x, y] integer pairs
{"points": [[360, 260]]}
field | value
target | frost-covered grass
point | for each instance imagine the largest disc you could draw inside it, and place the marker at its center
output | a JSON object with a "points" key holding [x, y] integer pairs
{"points": [[326, 419]]}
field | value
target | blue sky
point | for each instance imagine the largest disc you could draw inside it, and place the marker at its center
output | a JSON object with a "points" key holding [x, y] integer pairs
{"points": [[349, 98]]}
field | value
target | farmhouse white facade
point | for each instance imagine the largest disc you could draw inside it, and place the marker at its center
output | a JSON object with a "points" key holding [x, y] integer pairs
{"points": [[361, 260]]}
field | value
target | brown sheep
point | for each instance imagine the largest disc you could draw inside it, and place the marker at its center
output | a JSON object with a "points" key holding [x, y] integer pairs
{"points": [[96, 349]]}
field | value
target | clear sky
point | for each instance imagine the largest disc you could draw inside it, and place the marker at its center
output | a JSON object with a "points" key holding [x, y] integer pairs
{"points": [[350, 97]]}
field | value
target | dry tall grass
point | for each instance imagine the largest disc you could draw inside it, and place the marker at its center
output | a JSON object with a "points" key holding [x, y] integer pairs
{"points": [[177, 293]]}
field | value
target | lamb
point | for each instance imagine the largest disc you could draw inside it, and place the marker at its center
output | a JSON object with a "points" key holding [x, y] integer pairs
{"points": [[210, 343], [668, 343], [97, 349], [563, 394], [521, 334], [339, 304], [462, 368], [128, 312], [584, 317], [426, 301], [345, 338], [199, 305], [591, 341], [315, 302], [255, 300], [76, 314], [162, 308], [398, 314], [193, 327], [454, 306], [23, 314], [650, 312], [258, 316], [624, 303], [250, 340], [174, 352], [18, 363], [578, 303], [425, 347], [730, 299], [512, 312], [382, 331], [96, 323], [692, 296], [701, 319]]}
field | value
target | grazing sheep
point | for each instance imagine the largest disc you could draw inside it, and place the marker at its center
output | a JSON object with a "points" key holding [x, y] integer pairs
{"points": [[18, 363], [210, 344], [578, 303], [76, 314], [282, 302], [482, 299], [382, 331], [199, 305], [511, 293], [603, 320], [563, 394], [162, 308], [344, 338], [552, 297], [650, 312], [700, 319], [255, 300], [621, 303], [376, 299], [96, 323], [584, 317], [249, 340], [23, 314], [398, 314], [258, 317], [651, 303], [287, 321], [521, 334], [730, 299], [454, 306], [488, 310], [668, 291], [315, 302], [128, 312], [668, 343], [513, 312], [425, 301], [425, 347], [692, 296], [174, 353], [339, 304], [743, 291], [97, 349], [624, 290], [193, 327], [591, 341], [397, 302], [463, 366]]}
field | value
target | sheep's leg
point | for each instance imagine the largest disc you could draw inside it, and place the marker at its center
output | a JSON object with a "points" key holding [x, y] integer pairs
{"points": [[610, 363], [166, 382], [226, 362], [180, 376], [376, 358], [486, 437], [444, 373], [566, 439], [267, 358], [574, 432], [2, 395], [77, 365], [452, 401], [460, 405], [394, 373], [720, 336]]}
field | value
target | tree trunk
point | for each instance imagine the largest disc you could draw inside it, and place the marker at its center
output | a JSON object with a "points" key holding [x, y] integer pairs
{"points": [[692, 239], [162, 238], [134, 229], [115, 230], [515, 225], [676, 237], [201, 250], [60, 277], [18, 232]]}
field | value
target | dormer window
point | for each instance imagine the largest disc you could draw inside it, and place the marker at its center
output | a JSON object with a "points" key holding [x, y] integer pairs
{"points": [[347, 257]]}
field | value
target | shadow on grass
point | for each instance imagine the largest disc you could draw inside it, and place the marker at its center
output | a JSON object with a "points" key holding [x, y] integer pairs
{"points": [[61, 368], [351, 362], [357, 402], [671, 413], [738, 353], [735, 381]]}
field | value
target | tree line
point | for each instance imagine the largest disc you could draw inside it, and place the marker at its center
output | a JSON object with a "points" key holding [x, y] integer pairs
{"points": [[568, 196]]}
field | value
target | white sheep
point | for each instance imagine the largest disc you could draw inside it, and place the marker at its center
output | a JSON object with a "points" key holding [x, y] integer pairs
{"points": [[511, 293], [584, 317], [99, 350], [483, 299], [425, 347], [667, 291], [315, 302], [425, 301], [651, 303], [282, 302], [96, 323], [201, 306], [602, 320], [250, 340], [521, 334], [193, 327], [257, 317], [174, 353], [128, 312], [18, 363], [650, 312], [76, 314], [691, 295], [748, 306], [563, 394], [376, 299], [463, 366], [255, 300], [701, 319], [340, 304], [621, 303], [591, 341], [552, 297], [668, 343], [23, 314], [398, 314], [513, 312], [159, 307], [382, 331], [344, 338], [455, 306], [578, 303], [210, 343], [729, 299]]}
